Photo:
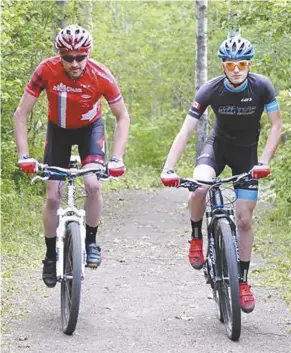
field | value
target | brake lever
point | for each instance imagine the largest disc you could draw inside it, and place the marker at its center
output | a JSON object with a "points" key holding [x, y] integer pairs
{"points": [[39, 177], [105, 177]]}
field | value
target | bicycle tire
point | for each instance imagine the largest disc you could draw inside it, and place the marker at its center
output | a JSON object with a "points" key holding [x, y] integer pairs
{"points": [[219, 312], [71, 284], [228, 271]]}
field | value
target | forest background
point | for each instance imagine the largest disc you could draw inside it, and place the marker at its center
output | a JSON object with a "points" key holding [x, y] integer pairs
{"points": [[150, 47]]}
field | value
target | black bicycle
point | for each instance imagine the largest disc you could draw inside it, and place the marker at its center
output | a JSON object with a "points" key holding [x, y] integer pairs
{"points": [[221, 266], [70, 243]]}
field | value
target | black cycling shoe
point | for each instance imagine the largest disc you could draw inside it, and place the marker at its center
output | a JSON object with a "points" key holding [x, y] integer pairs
{"points": [[49, 275], [93, 255]]}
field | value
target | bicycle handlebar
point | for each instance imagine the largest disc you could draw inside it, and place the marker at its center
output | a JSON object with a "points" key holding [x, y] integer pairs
{"points": [[44, 172], [195, 183]]}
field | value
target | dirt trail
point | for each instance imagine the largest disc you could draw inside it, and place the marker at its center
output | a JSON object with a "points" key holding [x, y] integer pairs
{"points": [[145, 297]]}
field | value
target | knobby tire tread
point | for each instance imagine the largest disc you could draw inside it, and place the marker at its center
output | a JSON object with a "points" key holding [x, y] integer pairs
{"points": [[72, 239], [229, 257]]}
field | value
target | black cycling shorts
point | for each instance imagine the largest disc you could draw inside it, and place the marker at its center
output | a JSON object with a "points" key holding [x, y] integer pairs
{"points": [[59, 142], [218, 154]]}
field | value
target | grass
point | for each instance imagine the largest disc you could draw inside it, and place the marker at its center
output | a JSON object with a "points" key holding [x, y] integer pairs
{"points": [[21, 249], [273, 243]]}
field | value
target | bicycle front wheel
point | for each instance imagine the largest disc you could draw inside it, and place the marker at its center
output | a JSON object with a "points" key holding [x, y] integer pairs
{"points": [[71, 283], [228, 278]]}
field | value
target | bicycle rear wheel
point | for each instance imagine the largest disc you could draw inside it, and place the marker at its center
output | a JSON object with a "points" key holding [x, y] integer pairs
{"points": [[71, 284], [228, 275]]}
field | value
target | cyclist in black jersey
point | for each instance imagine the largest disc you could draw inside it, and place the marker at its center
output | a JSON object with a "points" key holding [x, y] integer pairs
{"points": [[238, 99]]}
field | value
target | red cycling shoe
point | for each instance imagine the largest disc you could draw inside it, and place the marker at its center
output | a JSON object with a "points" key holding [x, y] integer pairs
{"points": [[196, 257], [247, 300]]}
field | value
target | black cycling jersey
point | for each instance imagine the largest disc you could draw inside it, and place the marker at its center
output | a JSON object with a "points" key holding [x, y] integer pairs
{"points": [[238, 112]]}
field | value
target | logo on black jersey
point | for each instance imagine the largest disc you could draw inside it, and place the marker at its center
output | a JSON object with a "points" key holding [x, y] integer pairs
{"points": [[246, 99], [234, 110]]}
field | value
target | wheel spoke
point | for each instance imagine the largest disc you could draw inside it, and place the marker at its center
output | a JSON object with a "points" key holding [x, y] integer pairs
{"points": [[227, 276], [71, 284]]}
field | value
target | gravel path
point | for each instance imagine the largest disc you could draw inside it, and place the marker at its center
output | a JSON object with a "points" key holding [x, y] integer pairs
{"points": [[145, 297]]}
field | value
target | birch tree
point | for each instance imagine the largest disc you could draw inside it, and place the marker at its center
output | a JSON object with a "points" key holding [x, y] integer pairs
{"points": [[59, 20], [85, 18], [201, 66]]}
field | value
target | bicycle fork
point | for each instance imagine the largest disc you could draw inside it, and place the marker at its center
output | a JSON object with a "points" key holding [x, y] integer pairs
{"points": [[64, 220], [210, 262]]}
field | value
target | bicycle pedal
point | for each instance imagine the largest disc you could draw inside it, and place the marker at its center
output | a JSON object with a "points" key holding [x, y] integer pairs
{"points": [[92, 266]]}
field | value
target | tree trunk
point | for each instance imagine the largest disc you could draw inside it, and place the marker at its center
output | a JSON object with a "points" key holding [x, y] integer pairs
{"points": [[59, 22], [86, 20], [201, 67]]}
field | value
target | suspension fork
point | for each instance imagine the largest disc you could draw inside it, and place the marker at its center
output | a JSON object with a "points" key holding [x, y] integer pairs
{"points": [[218, 211], [81, 214], [66, 216], [216, 201]]}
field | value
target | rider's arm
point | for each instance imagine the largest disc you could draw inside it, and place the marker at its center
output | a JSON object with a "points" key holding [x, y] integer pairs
{"points": [[21, 114], [180, 142], [197, 108], [121, 128], [273, 138]]}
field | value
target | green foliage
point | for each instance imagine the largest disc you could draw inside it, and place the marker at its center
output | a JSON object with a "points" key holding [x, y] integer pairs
{"points": [[267, 25], [273, 243], [282, 168], [279, 182]]}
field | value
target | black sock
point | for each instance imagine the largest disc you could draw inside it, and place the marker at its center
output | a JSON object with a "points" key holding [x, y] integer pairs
{"points": [[244, 269], [91, 234], [50, 248], [196, 229]]}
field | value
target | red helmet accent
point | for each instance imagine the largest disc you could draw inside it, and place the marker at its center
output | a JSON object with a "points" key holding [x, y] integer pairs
{"points": [[74, 37]]}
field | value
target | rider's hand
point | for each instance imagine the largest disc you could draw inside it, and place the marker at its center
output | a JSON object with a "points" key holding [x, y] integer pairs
{"points": [[261, 171], [170, 178], [28, 164], [116, 168]]}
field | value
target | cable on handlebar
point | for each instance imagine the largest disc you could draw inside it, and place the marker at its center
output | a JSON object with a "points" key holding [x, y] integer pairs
{"points": [[195, 183], [229, 201], [60, 173]]}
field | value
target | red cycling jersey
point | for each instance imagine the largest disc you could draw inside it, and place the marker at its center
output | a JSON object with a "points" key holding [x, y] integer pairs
{"points": [[73, 103]]}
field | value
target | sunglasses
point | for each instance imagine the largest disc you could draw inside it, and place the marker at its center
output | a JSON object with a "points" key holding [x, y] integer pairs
{"points": [[242, 65], [70, 58]]}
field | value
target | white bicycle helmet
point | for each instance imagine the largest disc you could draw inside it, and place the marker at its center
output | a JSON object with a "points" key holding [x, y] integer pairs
{"points": [[73, 37], [236, 48]]}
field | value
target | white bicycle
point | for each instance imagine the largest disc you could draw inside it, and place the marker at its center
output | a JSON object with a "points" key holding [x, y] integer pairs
{"points": [[70, 243]]}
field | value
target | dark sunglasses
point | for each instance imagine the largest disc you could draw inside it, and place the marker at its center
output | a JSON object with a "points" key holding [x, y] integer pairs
{"points": [[70, 58]]}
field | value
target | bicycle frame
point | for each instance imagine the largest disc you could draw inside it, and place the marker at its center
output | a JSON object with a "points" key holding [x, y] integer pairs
{"points": [[222, 263], [218, 211], [69, 214], [70, 239]]}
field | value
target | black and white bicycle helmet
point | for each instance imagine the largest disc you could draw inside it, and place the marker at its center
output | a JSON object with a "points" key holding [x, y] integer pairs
{"points": [[74, 37]]}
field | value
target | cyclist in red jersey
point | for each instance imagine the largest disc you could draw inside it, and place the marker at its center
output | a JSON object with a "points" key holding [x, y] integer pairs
{"points": [[74, 84]]}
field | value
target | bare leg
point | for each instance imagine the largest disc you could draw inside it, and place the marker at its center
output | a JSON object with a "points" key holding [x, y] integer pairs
{"points": [[94, 201], [51, 205], [196, 203], [93, 207], [244, 215], [196, 200]]}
